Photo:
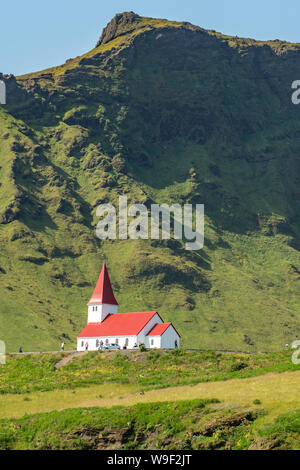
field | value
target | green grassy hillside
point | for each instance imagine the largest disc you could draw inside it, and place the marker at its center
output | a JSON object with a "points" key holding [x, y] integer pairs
{"points": [[185, 425], [162, 112], [151, 426]]}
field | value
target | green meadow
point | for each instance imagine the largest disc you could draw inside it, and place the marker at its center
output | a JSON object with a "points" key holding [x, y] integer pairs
{"points": [[147, 371], [150, 400]]}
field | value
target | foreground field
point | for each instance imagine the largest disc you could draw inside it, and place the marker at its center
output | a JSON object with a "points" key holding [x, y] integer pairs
{"points": [[198, 424], [151, 400], [278, 393]]}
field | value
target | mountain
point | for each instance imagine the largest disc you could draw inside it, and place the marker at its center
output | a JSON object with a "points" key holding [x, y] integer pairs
{"points": [[163, 112]]}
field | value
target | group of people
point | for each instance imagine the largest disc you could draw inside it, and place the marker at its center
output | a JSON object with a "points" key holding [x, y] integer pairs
{"points": [[86, 346]]}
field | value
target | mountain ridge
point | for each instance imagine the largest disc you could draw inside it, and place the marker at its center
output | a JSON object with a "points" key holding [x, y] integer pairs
{"points": [[114, 30]]}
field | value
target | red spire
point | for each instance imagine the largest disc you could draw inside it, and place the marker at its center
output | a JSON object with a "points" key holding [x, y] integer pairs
{"points": [[103, 293]]}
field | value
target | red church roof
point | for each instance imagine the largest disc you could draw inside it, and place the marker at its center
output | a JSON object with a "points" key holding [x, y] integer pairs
{"points": [[159, 329], [118, 324], [103, 293]]}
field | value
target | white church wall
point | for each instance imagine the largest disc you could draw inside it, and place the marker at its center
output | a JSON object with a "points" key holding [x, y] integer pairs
{"points": [[147, 328], [153, 342], [165, 341], [92, 342], [97, 313], [169, 337]]}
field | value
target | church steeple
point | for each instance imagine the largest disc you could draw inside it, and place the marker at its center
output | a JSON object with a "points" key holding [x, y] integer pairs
{"points": [[103, 301], [103, 293]]}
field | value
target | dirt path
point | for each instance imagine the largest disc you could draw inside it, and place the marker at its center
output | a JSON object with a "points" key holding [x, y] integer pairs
{"points": [[66, 360], [32, 353]]}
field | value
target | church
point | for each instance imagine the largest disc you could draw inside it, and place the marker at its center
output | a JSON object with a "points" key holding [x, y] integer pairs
{"points": [[128, 330]]}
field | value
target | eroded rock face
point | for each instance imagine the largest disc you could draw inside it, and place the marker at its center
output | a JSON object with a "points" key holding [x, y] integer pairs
{"points": [[122, 23], [110, 438]]}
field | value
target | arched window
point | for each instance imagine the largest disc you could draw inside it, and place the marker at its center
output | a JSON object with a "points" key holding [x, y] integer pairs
{"points": [[97, 343], [117, 340], [106, 341]]}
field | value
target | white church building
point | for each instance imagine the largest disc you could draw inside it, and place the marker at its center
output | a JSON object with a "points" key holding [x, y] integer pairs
{"points": [[129, 330]]}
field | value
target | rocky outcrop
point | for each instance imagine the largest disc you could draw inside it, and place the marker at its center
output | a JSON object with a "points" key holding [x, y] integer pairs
{"points": [[121, 24]]}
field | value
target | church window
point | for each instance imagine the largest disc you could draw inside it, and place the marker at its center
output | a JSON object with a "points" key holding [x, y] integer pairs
{"points": [[152, 342], [117, 340]]}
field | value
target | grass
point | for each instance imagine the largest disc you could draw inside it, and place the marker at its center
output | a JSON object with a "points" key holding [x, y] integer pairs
{"points": [[144, 371], [70, 429], [188, 424], [283, 433], [277, 393], [106, 395], [110, 400]]}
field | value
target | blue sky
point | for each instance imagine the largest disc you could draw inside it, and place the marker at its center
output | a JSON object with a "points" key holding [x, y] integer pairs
{"points": [[37, 34]]}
